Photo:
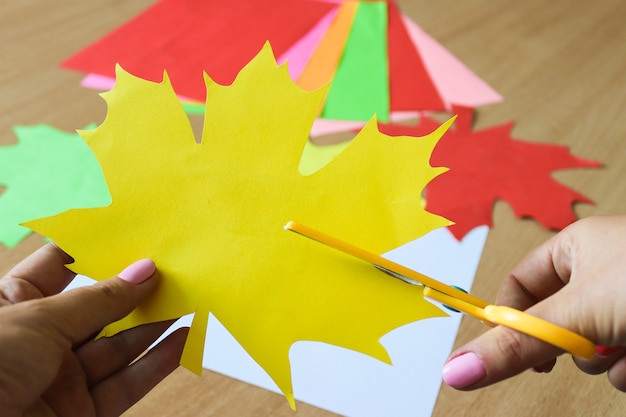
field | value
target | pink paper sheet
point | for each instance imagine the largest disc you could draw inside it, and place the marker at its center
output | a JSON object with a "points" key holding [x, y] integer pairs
{"points": [[456, 83], [299, 53]]}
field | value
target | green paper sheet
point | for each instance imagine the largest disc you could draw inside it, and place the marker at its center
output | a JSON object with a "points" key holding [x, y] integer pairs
{"points": [[360, 88]]}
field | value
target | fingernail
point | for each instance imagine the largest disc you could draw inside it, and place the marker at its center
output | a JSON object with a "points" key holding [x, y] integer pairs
{"points": [[544, 368], [464, 370], [606, 350], [138, 272]]}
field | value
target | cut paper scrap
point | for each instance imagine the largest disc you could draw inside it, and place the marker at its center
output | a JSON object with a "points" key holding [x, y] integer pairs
{"points": [[455, 82], [46, 172], [360, 87], [410, 85], [211, 216], [488, 165], [187, 37]]}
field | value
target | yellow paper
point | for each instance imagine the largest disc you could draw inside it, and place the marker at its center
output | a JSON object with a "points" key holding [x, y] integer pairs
{"points": [[211, 216], [315, 156]]}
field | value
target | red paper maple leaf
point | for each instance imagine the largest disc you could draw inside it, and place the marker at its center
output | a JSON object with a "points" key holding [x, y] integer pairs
{"points": [[489, 165]]}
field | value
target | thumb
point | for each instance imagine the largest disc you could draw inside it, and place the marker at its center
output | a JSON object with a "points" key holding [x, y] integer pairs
{"points": [[501, 352], [76, 315]]}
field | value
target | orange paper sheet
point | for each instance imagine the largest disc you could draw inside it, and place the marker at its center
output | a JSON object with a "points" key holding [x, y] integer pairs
{"points": [[322, 65]]}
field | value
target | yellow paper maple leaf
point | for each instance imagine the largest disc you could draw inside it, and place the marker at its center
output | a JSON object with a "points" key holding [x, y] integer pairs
{"points": [[211, 216]]}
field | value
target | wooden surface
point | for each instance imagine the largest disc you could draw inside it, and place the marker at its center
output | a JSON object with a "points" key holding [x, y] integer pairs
{"points": [[561, 66]]}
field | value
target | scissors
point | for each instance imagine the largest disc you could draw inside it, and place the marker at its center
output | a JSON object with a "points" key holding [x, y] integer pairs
{"points": [[490, 314]]}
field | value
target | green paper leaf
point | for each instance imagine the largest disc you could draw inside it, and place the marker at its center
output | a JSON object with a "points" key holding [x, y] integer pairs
{"points": [[48, 171]]}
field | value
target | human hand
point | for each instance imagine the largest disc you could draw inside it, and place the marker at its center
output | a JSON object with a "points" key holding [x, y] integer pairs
{"points": [[577, 280], [51, 366]]}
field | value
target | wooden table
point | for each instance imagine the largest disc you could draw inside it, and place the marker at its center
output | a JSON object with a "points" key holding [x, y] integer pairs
{"points": [[561, 66]]}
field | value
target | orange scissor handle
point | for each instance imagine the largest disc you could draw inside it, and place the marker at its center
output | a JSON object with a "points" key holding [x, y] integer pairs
{"points": [[558, 336]]}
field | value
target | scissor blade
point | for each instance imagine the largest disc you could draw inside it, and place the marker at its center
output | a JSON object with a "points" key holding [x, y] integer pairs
{"points": [[376, 260], [398, 276]]}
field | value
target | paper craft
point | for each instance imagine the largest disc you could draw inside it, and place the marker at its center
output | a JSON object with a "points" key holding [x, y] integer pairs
{"points": [[487, 165], [211, 216], [352, 384], [360, 86], [46, 172], [187, 37]]}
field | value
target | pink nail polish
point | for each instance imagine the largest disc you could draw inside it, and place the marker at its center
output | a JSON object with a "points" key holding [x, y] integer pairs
{"points": [[138, 272], [463, 371]]}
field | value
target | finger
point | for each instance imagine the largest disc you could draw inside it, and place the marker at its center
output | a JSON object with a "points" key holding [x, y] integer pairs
{"points": [[543, 272], [617, 374], [496, 355], [119, 392], [41, 274], [63, 317], [68, 394], [604, 359], [544, 368], [107, 355], [501, 352]]}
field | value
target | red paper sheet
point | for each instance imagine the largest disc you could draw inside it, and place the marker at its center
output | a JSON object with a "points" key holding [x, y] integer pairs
{"points": [[488, 165], [186, 37], [411, 87]]}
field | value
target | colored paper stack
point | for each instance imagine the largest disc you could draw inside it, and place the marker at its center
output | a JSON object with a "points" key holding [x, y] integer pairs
{"points": [[377, 59]]}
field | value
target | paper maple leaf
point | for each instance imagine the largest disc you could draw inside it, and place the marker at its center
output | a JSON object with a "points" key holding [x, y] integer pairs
{"points": [[47, 171], [211, 216], [487, 165]]}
